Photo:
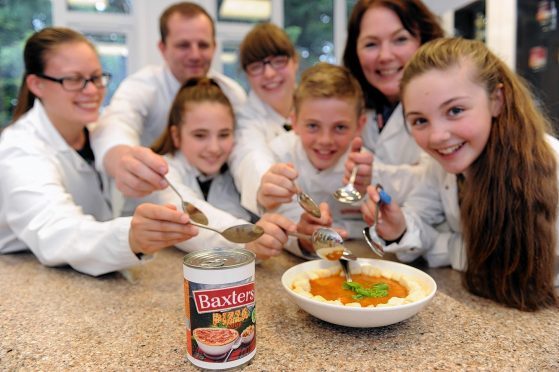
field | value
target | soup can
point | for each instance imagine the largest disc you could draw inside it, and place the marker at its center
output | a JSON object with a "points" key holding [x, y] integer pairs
{"points": [[220, 307]]}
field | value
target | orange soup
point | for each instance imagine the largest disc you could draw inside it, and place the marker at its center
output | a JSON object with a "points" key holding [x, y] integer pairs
{"points": [[332, 288]]}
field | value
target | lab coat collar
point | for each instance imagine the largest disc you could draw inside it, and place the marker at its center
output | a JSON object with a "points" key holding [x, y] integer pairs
{"points": [[394, 124], [171, 79], [45, 129]]}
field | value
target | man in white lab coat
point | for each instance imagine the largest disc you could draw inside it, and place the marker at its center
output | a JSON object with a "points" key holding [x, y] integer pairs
{"points": [[138, 111]]}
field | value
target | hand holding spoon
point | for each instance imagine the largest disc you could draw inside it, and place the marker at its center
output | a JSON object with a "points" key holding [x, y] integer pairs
{"points": [[370, 233], [245, 233]]}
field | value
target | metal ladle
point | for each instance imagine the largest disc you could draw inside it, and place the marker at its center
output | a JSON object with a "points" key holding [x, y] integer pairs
{"points": [[370, 233], [349, 194], [245, 233]]}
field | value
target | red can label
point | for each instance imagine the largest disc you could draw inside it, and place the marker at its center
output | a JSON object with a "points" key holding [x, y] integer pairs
{"points": [[221, 317]]}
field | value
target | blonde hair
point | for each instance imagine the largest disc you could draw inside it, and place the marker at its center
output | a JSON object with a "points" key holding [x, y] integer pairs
{"points": [[325, 80], [194, 91], [509, 202]]}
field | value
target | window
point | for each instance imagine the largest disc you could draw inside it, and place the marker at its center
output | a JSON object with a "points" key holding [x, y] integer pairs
{"points": [[99, 6], [310, 25], [18, 20]]}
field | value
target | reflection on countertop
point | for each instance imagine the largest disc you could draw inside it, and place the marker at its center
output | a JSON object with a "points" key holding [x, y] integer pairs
{"points": [[56, 318]]}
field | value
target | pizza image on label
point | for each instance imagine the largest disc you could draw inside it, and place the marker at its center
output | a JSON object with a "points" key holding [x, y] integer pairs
{"points": [[215, 343]]}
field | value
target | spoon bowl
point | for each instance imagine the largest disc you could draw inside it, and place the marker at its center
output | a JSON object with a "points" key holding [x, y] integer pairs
{"points": [[307, 203], [348, 194], [195, 214], [329, 245]]}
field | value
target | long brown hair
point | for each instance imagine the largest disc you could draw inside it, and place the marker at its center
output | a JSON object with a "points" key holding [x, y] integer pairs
{"points": [[35, 56], [416, 18], [195, 90], [509, 202]]}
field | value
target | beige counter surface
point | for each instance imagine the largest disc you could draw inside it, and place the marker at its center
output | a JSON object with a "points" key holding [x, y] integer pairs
{"points": [[57, 318]]}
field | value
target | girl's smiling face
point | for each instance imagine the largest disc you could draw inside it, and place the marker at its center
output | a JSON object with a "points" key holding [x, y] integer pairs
{"points": [[326, 127], [383, 48], [205, 136], [450, 115]]}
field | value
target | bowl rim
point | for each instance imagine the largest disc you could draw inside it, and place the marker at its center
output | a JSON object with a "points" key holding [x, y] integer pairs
{"points": [[423, 274]]}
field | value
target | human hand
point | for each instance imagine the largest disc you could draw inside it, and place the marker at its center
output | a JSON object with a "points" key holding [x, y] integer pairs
{"points": [[363, 161], [137, 170], [277, 186], [275, 236], [308, 224], [391, 224], [155, 227]]}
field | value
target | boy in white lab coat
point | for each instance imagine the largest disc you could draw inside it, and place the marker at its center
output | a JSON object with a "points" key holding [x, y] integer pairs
{"points": [[328, 115]]}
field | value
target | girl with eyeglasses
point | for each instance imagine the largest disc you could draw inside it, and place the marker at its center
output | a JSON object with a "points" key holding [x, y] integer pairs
{"points": [[53, 202], [270, 62]]}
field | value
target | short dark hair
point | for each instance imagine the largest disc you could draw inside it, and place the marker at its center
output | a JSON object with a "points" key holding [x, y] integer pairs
{"points": [[265, 39], [185, 9]]}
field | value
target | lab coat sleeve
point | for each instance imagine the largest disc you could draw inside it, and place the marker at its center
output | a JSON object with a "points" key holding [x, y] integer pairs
{"points": [[250, 159], [43, 215], [397, 180], [123, 120]]}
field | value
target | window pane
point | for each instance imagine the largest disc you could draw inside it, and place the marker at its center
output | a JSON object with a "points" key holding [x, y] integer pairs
{"points": [[18, 20], [113, 52], [100, 6], [310, 26], [230, 62], [244, 11]]}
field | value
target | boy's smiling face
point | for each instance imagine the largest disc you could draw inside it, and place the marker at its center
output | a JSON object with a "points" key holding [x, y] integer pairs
{"points": [[326, 127]]}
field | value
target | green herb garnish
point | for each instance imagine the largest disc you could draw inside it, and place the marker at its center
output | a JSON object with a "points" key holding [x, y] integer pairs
{"points": [[376, 290]]}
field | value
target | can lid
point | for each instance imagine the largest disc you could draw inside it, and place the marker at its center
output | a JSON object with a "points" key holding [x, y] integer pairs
{"points": [[218, 258]]}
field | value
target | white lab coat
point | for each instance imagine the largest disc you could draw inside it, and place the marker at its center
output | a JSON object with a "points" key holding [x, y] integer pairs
{"points": [[319, 185], [222, 208], [52, 203], [257, 124], [139, 110], [393, 145], [434, 202]]}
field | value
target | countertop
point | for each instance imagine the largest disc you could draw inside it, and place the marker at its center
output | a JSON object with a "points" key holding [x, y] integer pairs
{"points": [[58, 319]]}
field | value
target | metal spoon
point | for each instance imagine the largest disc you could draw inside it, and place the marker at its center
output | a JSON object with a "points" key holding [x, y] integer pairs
{"points": [[306, 202], [329, 245], [195, 214], [245, 233], [370, 233], [235, 345], [349, 194]]}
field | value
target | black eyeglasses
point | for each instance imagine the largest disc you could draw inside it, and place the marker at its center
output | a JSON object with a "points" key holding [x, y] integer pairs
{"points": [[77, 83], [276, 62]]}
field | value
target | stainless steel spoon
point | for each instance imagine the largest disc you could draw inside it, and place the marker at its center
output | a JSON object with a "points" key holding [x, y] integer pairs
{"points": [[329, 245], [370, 233], [306, 202], [349, 194], [195, 214], [235, 345], [245, 233]]}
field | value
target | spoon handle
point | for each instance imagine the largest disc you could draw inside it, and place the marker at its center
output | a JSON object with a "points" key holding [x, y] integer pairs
{"points": [[353, 175], [299, 235], [173, 188], [203, 226]]}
